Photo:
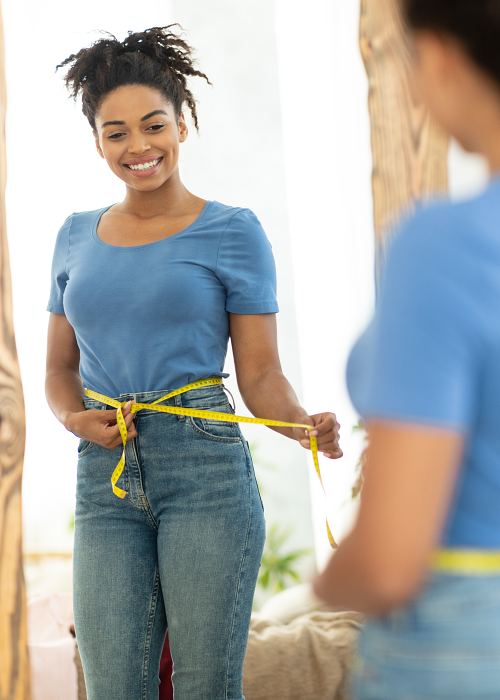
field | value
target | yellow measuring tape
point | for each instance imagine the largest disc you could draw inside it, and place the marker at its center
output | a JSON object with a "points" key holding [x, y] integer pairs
{"points": [[195, 413], [468, 562]]}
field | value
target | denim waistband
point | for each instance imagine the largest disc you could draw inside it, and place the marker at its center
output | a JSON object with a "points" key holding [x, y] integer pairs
{"points": [[202, 396]]}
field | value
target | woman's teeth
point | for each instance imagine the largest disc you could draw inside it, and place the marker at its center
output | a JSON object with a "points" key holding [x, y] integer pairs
{"points": [[144, 166]]}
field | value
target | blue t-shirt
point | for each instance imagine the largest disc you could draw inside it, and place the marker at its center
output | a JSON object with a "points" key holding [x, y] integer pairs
{"points": [[431, 354], [155, 316]]}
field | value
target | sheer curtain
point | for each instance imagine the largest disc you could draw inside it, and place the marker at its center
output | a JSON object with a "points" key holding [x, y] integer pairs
{"points": [[323, 91]]}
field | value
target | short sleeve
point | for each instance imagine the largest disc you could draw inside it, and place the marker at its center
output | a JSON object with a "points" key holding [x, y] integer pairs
{"points": [[245, 266], [59, 275], [422, 349]]}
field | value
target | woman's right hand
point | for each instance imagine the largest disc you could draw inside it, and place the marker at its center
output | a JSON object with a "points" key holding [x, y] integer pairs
{"points": [[101, 427]]}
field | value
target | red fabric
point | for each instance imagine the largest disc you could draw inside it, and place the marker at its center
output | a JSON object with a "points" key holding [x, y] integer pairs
{"points": [[166, 668]]}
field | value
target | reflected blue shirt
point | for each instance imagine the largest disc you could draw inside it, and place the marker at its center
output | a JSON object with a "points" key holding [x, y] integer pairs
{"points": [[155, 316], [431, 354]]}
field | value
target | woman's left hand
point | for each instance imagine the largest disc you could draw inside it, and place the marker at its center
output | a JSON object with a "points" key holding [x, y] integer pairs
{"points": [[326, 429]]}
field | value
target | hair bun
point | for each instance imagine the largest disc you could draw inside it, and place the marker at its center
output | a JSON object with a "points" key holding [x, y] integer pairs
{"points": [[157, 57]]}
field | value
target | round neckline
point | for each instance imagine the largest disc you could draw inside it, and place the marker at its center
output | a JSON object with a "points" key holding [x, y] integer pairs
{"points": [[99, 240]]}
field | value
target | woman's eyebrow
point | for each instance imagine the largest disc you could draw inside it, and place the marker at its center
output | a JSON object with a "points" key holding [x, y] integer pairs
{"points": [[118, 122], [153, 113], [115, 122]]}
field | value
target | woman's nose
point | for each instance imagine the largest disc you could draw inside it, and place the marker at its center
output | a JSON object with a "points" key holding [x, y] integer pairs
{"points": [[138, 144]]}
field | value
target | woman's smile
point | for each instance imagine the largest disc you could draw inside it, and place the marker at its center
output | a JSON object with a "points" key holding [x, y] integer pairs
{"points": [[144, 167]]}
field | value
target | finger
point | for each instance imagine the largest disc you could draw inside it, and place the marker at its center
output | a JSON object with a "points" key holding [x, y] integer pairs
{"points": [[334, 455], [321, 440], [304, 420], [300, 434], [110, 432], [129, 419], [118, 443], [127, 408], [336, 449], [107, 416], [327, 424], [331, 447], [328, 444], [308, 431]]}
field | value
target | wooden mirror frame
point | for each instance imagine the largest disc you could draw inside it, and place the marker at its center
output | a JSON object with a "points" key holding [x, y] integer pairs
{"points": [[14, 662]]}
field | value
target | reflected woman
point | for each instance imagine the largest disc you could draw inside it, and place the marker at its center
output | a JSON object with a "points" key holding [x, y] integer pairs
{"points": [[423, 559], [145, 296]]}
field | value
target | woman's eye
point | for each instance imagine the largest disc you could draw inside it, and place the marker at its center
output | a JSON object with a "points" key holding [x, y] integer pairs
{"points": [[115, 136], [156, 127]]}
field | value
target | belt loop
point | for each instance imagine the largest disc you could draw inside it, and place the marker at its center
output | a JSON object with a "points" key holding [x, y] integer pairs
{"points": [[178, 402]]}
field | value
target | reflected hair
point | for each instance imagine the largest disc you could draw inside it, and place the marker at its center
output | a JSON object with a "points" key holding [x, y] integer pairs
{"points": [[474, 23], [157, 57]]}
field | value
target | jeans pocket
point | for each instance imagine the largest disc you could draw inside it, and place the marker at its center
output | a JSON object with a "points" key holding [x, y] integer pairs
{"points": [[211, 429], [84, 446]]}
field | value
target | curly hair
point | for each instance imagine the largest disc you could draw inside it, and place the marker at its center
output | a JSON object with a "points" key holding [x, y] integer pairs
{"points": [[475, 23], [156, 57]]}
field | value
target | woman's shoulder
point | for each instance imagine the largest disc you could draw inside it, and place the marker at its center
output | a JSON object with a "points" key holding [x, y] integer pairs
{"points": [[465, 215], [447, 233], [229, 213], [447, 255], [82, 218], [87, 216]]}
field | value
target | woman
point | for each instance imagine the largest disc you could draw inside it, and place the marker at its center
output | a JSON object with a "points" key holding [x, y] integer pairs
{"points": [[422, 559], [145, 294]]}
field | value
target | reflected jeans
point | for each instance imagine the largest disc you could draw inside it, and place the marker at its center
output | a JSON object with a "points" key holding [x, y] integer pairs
{"points": [[443, 646], [182, 551]]}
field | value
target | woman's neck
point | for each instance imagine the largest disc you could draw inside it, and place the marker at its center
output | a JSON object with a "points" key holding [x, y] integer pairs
{"points": [[171, 198], [481, 112]]}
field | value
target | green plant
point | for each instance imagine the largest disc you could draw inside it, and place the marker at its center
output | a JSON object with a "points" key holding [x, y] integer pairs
{"points": [[278, 568]]}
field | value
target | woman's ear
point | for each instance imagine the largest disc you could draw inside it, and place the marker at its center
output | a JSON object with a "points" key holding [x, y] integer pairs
{"points": [[98, 145], [183, 129]]}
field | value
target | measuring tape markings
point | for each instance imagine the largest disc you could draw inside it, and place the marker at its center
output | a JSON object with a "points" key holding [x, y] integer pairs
{"points": [[196, 413]]}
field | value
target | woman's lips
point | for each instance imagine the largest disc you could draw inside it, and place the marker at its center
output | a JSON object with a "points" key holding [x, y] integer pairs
{"points": [[144, 169]]}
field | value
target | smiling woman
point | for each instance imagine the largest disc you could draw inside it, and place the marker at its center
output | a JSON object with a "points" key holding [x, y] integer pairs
{"points": [[182, 542]]}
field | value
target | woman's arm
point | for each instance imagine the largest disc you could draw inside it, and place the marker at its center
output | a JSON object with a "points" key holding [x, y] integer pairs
{"points": [[263, 386], [64, 391], [410, 475], [63, 387]]}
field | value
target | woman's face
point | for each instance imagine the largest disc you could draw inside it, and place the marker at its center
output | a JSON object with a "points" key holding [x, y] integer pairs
{"points": [[138, 135]]}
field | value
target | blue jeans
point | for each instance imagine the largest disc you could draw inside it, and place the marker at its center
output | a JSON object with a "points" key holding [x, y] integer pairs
{"points": [[444, 646], [182, 551]]}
